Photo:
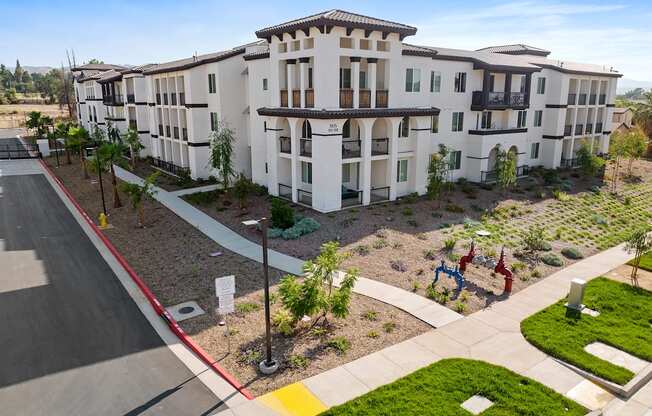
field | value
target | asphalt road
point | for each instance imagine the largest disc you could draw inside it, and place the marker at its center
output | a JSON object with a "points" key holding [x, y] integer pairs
{"points": [[72, 341]]}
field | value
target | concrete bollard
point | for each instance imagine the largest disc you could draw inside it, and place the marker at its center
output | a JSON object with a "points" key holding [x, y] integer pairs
{"points": [[576, 294], [43, 147]]}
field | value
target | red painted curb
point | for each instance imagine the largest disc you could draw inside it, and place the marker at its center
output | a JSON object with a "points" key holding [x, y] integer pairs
{"points": [[160, 310]]}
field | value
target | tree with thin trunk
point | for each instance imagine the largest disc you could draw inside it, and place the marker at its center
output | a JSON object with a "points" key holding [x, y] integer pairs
{"points": [[78, 137], [636, 143], [438, 173], [110, 153], [640, 243], [505, 169], [221, 157], [589, 163], [61, 132], [617, 150], [132, 140], [138, 193]]}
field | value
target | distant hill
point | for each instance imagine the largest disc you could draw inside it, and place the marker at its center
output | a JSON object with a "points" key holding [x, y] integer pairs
{"points": [[32, 69], [625, 85]]}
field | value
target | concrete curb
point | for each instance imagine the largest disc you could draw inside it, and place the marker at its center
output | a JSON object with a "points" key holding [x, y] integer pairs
{"points": [[156, 305]]}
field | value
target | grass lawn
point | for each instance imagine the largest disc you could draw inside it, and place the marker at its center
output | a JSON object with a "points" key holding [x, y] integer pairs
{"points": [[624, 323], [442, 387], [646, 262]]}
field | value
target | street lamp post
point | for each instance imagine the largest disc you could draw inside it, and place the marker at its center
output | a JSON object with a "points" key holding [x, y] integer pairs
{"points": [[99, 176], [269, 365]]}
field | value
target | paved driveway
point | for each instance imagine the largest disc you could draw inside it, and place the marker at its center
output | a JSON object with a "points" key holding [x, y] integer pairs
{"points": [[72, 341]]}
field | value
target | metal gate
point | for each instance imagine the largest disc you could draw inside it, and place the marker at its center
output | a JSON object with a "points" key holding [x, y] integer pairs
{"points": [[18, 150]]}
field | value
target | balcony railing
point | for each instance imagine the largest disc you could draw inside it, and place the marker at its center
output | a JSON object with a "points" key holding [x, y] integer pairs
{"points": [[158, 98], [497, 98], [602, 99], [598, 127], [176, 132], [131, 98], [592, 99], [173, 98], [582, 99], [569, 163], [184, 134], [296, 98], [351, 197], [113, 99], [589, 129], [133, 125], [182, 98], [165, 99], [517, 99], [380, 194], [284, 98], [350, 149], [579, 129], [160, 129], [285, 191], [365, 99], [167, 131], [305, 147], [382, 97], [285, 145], [572, 98], [346, 98], [310, 98], [568, 130], [490, 176], [169, 167], [379, 147], [304, 197]]}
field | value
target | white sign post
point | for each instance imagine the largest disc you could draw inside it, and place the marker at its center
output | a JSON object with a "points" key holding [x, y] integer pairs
{"points": [[225, 291]]}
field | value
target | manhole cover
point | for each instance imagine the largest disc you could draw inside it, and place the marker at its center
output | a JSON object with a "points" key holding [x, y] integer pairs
{"points": [[186, 310]]}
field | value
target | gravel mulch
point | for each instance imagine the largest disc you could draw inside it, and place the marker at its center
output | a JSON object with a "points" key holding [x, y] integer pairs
{"points": [[173, 259]]}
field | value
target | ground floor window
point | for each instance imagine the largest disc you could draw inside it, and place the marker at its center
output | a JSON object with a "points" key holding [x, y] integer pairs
{"points": [[534, 153], [402, 170], [522, 119], [538, 118], [306, 172], [214, 121], [434, 124], [346, 173], [455, 160]]}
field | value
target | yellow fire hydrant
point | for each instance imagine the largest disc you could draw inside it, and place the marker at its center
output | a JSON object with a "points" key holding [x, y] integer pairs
{"points": [[104, 223]]}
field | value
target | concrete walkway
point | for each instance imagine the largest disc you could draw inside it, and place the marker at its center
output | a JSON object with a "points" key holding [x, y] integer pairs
{"points": [[428, 311]]}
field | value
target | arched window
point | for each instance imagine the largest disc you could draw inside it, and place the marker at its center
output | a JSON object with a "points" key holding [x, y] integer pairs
{"points": [[94, 114], [306, 130], [346, 129], [404, 127]]}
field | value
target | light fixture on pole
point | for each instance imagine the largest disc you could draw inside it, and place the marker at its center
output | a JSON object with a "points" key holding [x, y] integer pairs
{"points": [[269, 365]]}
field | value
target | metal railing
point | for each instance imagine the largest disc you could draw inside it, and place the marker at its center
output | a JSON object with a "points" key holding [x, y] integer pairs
{"points": [[365, 99], [165, 99], [304, 197], [489, 176], [497, 98], [579, 129], [351, 148], [182, 98], [568, 130], [305, 147], [379, 146], [184, 133], [284, 98], [158, 98], [131, 98], [351, 198], [517, 99], [589, 129], [598, 127], [568, 163], [346, 98], [285, 144], [592, 99], [310, 98], [160, 130], [296, 98], [582, 99], [572, 98], [382, 98], [175, 130], [285, 191], [19, 151], [169, 167], [602, 99], [173, 98], [380, 194]]}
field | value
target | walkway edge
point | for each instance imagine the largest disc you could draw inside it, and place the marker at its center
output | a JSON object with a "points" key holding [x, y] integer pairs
{"points": [[154, 302]]}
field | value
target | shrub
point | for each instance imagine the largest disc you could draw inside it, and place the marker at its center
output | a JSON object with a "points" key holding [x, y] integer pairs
{"points": [[246, 307], [454, 208], [291, 234], [599, 219], [533, 239], [284, 321], [380, 243], [362, 250], [535, 273], [307, 225], [560, 195], [572, 253], [250, 357], [550, 177], [340, 344], [430, 254], [431, 293], [370, 315], [460, 307], [389, 327], [413, 223], [407, 212], [274, 232], [202, 198], [422, 236], [545, 246], [282, 214], [449, 244], [518, 266], [552, 260], [382, 233], [298, 361], [372, 334], [398, 265]]}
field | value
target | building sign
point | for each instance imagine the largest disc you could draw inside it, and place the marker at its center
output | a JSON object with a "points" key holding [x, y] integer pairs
{"points": [[225, 291]]}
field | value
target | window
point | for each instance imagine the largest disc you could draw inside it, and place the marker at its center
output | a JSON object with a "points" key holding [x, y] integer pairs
{"points": [[306, 172], [523, 78], [282, 47], [309, 78], [460, 82], [382, 46], [435, 81], [434, 124], [363, 80], [541, 86], [345, 77], [308, 43], [412, 80], [346, 173], [492, 82], [264, 84], [538, 118], [296, 45], [212, 88], [346, 129], [402, 170], [534, 153], [522, 117], [486, 120], [346, 43], [455, 160], [404, 127], [306, 130], [214, 121], [458, 121], [365, 44]]}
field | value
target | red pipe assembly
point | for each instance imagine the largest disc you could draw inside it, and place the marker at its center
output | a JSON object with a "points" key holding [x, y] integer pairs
{"points": [[501, 269]]}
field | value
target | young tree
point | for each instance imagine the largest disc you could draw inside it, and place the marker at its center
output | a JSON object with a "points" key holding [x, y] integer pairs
{"points": [[77, 139], [505, 169], [636, 144], [438, 172], [640, 243], [98, 136], [534, 240], [132, 140], [589, 163], [242, 188], [35, 122], [61, 132], [138, 193], [109, 153], [221, 157], [317, 294], [617, 150]]}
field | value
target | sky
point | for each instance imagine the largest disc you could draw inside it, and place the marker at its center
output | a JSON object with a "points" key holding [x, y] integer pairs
{"points": [[38, 32]]}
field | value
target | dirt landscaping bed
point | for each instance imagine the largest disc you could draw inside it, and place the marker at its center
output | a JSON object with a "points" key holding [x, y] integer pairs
{"points": [[401, 242], [173, 259], [164, 180]]}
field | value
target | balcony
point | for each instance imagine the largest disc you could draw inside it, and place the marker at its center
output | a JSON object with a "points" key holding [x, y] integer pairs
{"points": [[285, 191], [602, 99], [582, 99], [351, 197], [380, 194], [133, 125], [175, 131], [184, 134], [589, 129], [568, 163], [572, 99], [131, 98], [346, 98], [304, 197], [598, 127], [310, 98], [592, 99], [165, 99], [490, 176], [351, 149], [379, 147], [182, 98], [305, 147], [167, 131], [568, 129], [579, 129], [173, 98], [160, 130], [169, 167], [382, 97], [284, 98], [158, 98], [497, 100], [113, 99], [285, 145], [365, 99], [296, 98], [497, 130]]}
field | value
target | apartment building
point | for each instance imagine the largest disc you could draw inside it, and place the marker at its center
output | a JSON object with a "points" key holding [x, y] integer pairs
{"points": [[336, 109]]}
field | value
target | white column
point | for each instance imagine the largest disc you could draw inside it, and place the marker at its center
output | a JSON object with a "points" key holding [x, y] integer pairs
{"points": [[393, 157], [327, 175], [421, 154], [290, 83], [366, 126], [371, 64], [355, 80], [272, 156], [295, 135], [303, 79]]}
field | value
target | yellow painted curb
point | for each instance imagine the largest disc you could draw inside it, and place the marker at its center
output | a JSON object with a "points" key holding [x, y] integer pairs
{"points": [[293, 400]]}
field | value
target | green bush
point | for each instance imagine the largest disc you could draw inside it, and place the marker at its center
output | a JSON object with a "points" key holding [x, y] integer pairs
{"points": [[340, 344], [246, 307], [552, 260], [572, 253], [362, 250], [291, 233], [284, 322], [298, 361], [449, 244], [307, 225], [282, 214], [454, 208], [380, 243], [274, 232]]}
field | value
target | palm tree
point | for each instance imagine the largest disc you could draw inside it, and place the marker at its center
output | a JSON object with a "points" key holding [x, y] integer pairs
{"points": [[135, 146], [110, 152], [61, 132], [138, 193], [78, 137]]}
